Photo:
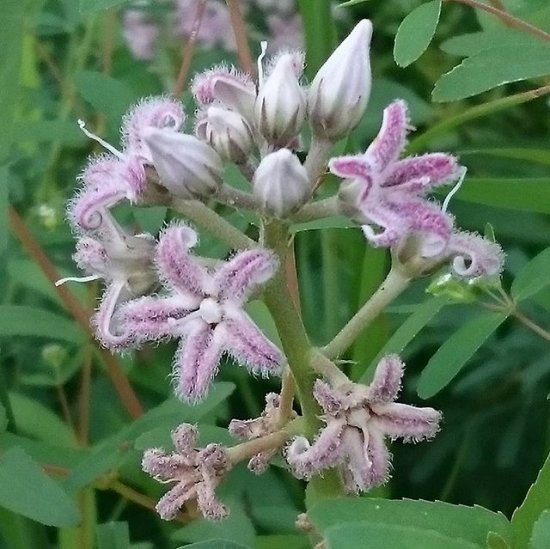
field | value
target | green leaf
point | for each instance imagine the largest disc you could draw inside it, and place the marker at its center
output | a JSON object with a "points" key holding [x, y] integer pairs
{"points": [[416, 32], [106, 94], [453, 355], [289, 541], [333, 222], [533, 278], [491, 68], [11, 46], [541, 156], [536, 501], [382, 536], [496, 541], [113, 535], [216, 544], [25, 489], [22, 320], [532, 195], [408, 330], [541, 532], [459, 522], [91, 6], [351, 3], [66, 133]]}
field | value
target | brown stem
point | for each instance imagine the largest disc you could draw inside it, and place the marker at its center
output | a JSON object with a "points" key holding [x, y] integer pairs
{"points": [[188, 50], [65, 407], [109, 42], [84, 397], [497, 4], [506, 18], [114, 370], [239, 29]]}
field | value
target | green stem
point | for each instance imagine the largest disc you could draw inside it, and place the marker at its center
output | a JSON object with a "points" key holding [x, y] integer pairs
{"points": [[327, 207], [394, 284], [291, 329]]}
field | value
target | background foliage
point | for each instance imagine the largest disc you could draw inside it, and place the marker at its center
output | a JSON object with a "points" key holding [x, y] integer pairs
{"points": [[73, 428]]}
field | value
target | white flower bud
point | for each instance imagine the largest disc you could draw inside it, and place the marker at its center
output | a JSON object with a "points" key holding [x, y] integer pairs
{"points": [[281, 183], [187, 167], [340, 91], [227, 132], [281, 104]]}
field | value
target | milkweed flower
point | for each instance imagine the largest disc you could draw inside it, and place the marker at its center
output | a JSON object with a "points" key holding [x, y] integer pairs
{"points": [[358, 419], [195, 472], [204, 309]]}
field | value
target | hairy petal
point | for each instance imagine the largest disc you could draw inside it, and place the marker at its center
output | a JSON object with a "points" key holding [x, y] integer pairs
{"points": [[328, 399], [386, 383], [196, 360], [185, 437], [110, 332], [160, 465], [240, 276], [356, 466], [176, 266], [475, 255], [379, 458], [352, 167], [410, 423], [247, 344], [169, 505], [431, 170], [390, 141]]}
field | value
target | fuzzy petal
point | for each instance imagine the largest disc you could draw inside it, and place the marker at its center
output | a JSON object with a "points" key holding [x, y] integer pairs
{"points": [[386, 383], [185, 438], [170, 504], [241, 275], [109, 330], [210, 506], [196, 360], [475, 255], [379, 457], [356, 467], [248, 345], [328, 399], [352, 167], [157, 463], [410, 423], [390, 141], [176, 266]]}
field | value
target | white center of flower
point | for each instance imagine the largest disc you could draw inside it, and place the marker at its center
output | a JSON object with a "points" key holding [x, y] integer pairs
{"points": [[210, 311]]}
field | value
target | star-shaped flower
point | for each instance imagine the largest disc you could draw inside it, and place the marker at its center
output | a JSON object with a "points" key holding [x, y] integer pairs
{"points": [[358, 418], [196, 473], [381, 190], [204, 308]]}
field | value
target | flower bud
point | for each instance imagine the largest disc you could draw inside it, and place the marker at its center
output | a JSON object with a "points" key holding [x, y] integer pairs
{"points": [[281, 105], [187, 167], [340, 91], [281, 183], [227, 132]]}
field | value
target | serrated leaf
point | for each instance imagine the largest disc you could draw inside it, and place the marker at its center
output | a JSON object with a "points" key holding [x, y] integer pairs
{"points": [[533, 278], [408, 330], [382, 536], [453, 355], [491, 68], [416, 32], [541, 532], [496, 541], [451, 521], [25, 489], [15, 320], [113, 535], [536, 501]]}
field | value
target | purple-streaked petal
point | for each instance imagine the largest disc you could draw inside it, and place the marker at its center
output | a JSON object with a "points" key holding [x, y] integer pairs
{"points": [[356, 466], [176, 266], [155, 112], [379, 457], [237, 278], [352, 167], [386, 383], [185, 437], [422, 173], [307, 459], [328, 399], [390, 141], [209, 505], [383, 215], [474, 255], [410, 423], [162, 466], [259, 463], [196, 360], [170, 504], [154, 318], [91, 256], [247, 344]]}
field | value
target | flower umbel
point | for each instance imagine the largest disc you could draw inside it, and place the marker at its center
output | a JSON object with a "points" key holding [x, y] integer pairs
{"points": [[204, 308], [358, 418], [196, 473]]}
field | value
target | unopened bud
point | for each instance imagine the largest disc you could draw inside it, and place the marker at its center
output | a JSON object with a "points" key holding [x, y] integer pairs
{"points": [[281, 104], [281, 183], [227, 132], [187, 167], [340, 91]]}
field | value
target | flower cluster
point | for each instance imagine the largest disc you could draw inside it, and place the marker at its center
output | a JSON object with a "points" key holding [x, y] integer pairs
{"points": [[358, 418]]}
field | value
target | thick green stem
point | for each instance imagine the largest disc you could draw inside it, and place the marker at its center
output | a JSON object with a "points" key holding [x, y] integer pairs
{"points": [[395, 283], [327, 207], [291, 329]]}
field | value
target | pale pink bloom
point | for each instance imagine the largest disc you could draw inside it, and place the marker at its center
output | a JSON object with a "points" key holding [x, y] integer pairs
{"points": [[204, 309], [358, 419], [141, 33], [196, 473], [124, 263], [383, 191], [215, 27]]}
